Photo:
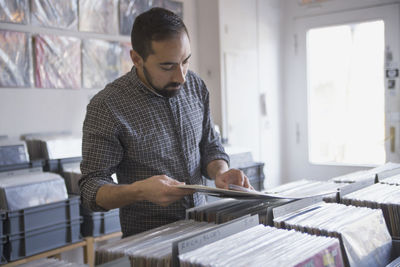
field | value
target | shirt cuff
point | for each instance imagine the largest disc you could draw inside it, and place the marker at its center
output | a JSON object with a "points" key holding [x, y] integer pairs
{"points": [[88, 194], [209, 158]]}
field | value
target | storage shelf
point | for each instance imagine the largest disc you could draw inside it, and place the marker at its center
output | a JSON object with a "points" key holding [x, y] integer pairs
{"points": [[87, 244]]}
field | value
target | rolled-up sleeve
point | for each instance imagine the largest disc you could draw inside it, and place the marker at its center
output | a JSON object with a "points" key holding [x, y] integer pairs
{"points": [[101, 152], [210, 145]]}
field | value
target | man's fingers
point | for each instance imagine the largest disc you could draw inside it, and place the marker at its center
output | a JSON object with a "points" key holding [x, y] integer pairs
{"points": [[221, 184], [176, 191], [246, 182]]}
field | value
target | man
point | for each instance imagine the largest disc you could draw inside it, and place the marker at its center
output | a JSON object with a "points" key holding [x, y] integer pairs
{"points": [[152, 127]]}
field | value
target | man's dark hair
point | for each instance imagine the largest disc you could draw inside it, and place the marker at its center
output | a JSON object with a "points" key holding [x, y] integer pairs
{"points": [[156, 24]]}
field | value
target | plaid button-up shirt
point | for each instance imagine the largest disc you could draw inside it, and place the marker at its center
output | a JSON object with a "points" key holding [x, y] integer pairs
{"points": [[134, 132]]}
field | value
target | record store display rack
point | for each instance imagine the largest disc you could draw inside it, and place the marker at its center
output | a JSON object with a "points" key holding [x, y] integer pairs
{"points": [[356, 226], [301, 232], [242, 242]]}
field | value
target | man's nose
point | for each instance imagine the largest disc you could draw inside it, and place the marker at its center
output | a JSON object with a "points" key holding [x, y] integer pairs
{"points": [[180, 74]]}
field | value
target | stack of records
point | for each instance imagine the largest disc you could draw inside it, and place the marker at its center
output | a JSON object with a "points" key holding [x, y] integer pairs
{"points": [[53, 146], [71, 171], [23, 189], [72, 174], [13, 152], [379, 196], [393, 180], [60, 14], [51, 262], [366, 175], [266, 246], [307, 188], [228, 209], [150, 248], [362, 232]]}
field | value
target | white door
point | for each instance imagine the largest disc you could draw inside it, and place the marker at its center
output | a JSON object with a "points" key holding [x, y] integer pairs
{"points": [[240, 80], [345, 111], [242, 94]]}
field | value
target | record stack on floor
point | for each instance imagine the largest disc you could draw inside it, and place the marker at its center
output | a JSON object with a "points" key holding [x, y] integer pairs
{"points": [[364, 237], [266, 246], [150, 248], [382, 196]]}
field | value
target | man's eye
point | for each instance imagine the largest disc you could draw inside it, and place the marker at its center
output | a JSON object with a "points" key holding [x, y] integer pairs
{"points": [[166, 67]]}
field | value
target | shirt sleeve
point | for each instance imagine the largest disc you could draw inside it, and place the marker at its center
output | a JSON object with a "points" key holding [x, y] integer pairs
{"points": [[101, 152], [210, 145]]}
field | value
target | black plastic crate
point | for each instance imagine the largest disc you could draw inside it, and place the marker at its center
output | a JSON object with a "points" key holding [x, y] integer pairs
{"points": [[100, 223], [32, 218], [21, 166], [32, 242]]}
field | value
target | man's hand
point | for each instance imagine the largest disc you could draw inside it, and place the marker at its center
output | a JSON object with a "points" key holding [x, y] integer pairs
{"points": [[232, 176], [161, 190]]}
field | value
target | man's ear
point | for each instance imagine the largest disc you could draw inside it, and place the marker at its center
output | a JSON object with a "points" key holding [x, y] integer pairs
{"points": [[136, 58]]}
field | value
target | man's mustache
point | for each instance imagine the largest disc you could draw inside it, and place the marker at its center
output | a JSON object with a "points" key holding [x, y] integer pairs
{"points": [[174, 85]]}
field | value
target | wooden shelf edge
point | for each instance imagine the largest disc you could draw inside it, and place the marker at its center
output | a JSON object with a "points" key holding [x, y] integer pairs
{"points": [[46, 254]]}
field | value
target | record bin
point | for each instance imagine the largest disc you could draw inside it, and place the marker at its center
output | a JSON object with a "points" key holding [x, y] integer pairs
{"points": [[20, 166], [94, 223], [37, 217], [28, 243], [99, 223], [56, 165]]}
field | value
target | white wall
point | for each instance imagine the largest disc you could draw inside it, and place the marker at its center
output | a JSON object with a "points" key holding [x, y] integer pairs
{"points": [[270, 28], [209, 54], [253, 27], [30, 110], [295, 161]]}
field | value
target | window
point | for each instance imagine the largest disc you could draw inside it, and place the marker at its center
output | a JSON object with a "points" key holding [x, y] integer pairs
{"points": [[346, 112]]}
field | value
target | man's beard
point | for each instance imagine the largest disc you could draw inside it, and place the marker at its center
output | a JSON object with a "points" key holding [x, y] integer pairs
{"points": [[162, 91]]}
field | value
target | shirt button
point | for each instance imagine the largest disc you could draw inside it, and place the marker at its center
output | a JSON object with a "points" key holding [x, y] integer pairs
{"points": [[171, 101]]}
